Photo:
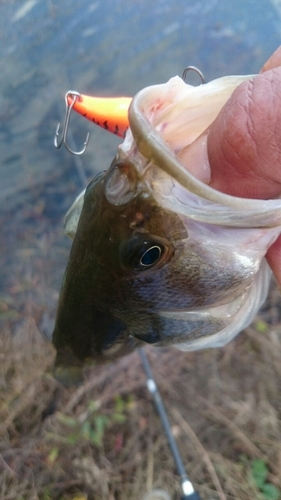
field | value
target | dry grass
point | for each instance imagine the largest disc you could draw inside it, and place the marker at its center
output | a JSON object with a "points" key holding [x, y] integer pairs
{"points": [[103, 440]]}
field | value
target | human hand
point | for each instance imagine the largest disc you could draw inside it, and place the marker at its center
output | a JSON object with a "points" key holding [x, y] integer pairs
{"points": [[244, 143]]}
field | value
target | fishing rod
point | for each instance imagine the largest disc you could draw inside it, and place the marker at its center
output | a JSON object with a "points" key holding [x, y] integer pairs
{"points": [[187, 488]]}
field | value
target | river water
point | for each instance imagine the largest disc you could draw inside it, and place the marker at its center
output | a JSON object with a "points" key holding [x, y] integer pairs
{"points": [[104, 47]]}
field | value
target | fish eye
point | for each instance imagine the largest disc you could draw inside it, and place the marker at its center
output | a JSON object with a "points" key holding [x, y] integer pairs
{"points": [[150, 256], [141, 253]]}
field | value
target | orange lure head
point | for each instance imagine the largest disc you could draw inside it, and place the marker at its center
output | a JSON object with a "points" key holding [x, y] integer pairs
{"points": [[110, 113]]}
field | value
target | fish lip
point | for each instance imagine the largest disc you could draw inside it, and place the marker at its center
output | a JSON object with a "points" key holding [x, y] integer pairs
{"points": [[151, 145]]}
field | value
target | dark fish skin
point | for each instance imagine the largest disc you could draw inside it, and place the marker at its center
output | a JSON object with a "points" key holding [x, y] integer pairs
{"points": [[110, 302]]}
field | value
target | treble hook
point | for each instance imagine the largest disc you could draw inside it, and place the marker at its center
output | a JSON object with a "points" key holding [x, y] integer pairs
{"points": [[68, 108], [193, 68]]}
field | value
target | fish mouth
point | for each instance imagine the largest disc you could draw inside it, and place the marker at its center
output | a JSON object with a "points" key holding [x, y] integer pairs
{"points": [[152, 142]]}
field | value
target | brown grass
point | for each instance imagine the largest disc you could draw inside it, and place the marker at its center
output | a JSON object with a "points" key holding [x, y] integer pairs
{"points": [[104, 440]]}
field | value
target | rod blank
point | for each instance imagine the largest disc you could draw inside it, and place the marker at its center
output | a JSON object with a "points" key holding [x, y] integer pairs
{"points": [[187, 488]]}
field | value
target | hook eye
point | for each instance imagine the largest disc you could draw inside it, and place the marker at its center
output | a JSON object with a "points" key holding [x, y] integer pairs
{"points": [[68, 108]]}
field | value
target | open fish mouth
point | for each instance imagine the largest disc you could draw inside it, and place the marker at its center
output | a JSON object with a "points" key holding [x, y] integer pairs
{"points": [[158, 255], [166, 137]]}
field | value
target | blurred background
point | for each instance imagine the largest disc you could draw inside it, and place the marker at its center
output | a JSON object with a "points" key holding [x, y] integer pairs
{"points": [[102, 48]]}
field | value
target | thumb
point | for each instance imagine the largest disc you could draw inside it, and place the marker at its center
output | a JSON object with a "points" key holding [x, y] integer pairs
{"points": [[244, 143]]}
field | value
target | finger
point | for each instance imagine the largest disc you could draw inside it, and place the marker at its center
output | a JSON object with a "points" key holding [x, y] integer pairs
{"points": [[274, 253], [244, 142]]}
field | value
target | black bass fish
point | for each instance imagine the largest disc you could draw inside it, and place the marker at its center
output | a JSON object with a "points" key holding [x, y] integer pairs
{"points": [[158, 256]]}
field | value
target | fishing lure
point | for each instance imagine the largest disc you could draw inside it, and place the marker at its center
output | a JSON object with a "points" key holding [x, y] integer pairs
{"points": [[110, 113]]}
